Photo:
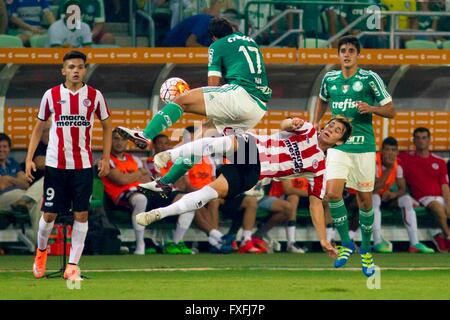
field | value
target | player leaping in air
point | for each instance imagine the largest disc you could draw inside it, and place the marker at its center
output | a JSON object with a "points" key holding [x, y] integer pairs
{"points": [[296, 151], [354, 93], [239, 104]]}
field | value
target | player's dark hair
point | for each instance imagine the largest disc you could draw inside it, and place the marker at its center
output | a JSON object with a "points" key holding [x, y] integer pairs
{"points": [[5, 137], [159, 136], [389, 141], [74, 55], [349, 40], [220, 27], [421, 129], [347, 125]]}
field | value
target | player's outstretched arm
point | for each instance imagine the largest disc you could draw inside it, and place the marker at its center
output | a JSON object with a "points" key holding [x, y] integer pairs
{"points": [[385, 111], [292, 124], [36, 136], [318, 219]]}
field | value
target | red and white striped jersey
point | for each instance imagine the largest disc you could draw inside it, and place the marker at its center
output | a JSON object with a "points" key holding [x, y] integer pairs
{"points": [[69, 145], [286, 155]]}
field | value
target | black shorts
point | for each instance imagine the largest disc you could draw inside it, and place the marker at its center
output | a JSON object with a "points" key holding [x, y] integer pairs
{"points": [[243, 172], [155, 200], [67, 190]]}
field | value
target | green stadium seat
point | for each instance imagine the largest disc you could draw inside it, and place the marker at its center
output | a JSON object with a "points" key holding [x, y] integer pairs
{"points": [[38, 41], [8, 41], [98, 193], [315, 43], [420, 44], [446, 44]]}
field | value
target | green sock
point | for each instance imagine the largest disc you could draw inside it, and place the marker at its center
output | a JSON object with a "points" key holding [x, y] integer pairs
{"points": [[339, 214], [179, 169], [163, 119], [366, 222]]}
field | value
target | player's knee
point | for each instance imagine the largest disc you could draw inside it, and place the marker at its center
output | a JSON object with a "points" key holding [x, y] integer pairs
{"points": [[333, 196], [81, 216], [250, 202], [49, 217], [287, 208], [405, 201]]}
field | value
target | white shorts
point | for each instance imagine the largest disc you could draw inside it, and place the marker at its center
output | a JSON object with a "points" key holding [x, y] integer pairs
{"points": [[357, 168], [231, 107], [425, 201]]}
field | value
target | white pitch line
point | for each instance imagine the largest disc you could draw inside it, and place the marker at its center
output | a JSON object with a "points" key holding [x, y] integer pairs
{"points": [[243, 269]]}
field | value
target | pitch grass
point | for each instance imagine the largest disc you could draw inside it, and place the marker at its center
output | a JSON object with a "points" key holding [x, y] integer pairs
{"points": [[206, 276]]}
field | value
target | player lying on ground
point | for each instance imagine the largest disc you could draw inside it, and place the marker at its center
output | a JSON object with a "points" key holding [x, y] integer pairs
{"points": [[296, 151]]}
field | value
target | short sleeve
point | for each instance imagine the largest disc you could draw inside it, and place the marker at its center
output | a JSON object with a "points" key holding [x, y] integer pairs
{"points": [[214, 61], [324, 94], [44, 108], [100, 12], [101, 108], [86, 34], [316, 186], [55, 35], [443, 177], [379, 89], [399, 172]]}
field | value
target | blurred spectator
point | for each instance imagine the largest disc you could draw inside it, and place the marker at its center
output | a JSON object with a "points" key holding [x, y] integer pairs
{"points": [[14, 184], [390, 173], [3, 17], [193, 31], [404, 22], [285, 195], [94, 16], [62, 34], [121, 184], [26, 203], [427, 23], [427, 178], [26, 17]]}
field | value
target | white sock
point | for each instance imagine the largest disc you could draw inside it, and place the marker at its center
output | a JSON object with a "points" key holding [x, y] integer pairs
{"points": [[138, 202], [246, 235], [79, 232], [183, 224], [409, 218], [44, 232], [331, 234], [376, 228], [290, 234], [216, 234], [213, 241], [202, 147], [190, 202]]}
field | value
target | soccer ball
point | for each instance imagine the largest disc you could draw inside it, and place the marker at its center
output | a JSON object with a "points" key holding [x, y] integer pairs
{"points": [[172, 88]]}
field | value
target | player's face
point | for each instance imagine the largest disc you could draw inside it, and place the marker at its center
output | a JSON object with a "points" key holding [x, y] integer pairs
{"points": [[119, 144], [4, 150], [74, 70], [389, 153], [348, 54], [332, 133], [422, 140], [161, 144]]}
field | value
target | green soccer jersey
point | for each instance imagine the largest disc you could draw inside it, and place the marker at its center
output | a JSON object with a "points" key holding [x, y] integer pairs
{"points": [[343, 94], [237, 59]]}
